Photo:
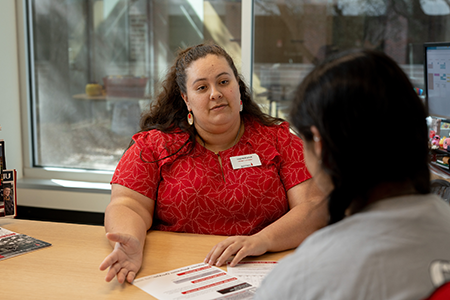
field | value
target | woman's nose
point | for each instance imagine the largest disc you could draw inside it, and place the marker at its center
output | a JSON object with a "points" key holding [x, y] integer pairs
{"points": [[215, 94]]}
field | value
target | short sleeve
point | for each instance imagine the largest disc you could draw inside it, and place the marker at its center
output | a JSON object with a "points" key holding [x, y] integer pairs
{"points": [[136, 169], [293, 169]]}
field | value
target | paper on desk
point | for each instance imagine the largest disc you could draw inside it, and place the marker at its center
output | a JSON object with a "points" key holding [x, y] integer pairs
{"points": [[252, 272], [199, 281]]}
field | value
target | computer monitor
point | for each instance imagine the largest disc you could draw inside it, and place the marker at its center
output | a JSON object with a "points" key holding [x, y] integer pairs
{"points": [[437, 79]]}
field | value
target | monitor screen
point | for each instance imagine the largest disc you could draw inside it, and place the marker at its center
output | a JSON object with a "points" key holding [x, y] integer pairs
{"points": [[437, 79]]}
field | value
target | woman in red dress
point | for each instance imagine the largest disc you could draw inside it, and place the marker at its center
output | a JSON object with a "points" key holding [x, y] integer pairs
{"points": [[208, 160]]}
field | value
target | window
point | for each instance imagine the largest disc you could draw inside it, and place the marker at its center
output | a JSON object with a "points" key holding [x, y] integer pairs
{"points": [[293, 36], [126, 46], [78, 46]]}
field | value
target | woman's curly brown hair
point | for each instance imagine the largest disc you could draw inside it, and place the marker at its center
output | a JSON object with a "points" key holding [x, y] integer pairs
{"points": [[168, 111]]}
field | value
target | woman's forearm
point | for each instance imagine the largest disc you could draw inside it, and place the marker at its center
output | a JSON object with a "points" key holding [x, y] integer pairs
{"points": [[290, 230], [308, 213], [129, 212], [122, 219]]}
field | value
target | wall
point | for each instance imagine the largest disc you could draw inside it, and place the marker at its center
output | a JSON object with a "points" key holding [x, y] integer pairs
{"points": [[12, 83]]}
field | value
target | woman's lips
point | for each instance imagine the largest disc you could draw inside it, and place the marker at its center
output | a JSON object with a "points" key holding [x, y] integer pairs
{"points": [[219, 107]]}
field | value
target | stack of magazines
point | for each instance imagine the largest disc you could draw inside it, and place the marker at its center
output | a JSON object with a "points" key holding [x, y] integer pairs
{"points": [[13, 244], [8, 198]]}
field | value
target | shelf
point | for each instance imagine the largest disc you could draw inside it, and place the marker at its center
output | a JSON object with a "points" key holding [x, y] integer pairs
{"points": [[439, 170], [105, 97]]}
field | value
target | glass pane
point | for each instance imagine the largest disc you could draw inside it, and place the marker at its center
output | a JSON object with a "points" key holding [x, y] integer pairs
{"points": [[293, 36], [96, 64]]}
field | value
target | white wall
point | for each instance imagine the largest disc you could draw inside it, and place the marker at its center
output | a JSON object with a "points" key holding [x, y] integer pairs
{"points": [[11, 123]]}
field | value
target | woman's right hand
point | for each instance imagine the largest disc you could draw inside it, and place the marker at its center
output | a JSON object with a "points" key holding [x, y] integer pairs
{"points": [[126, 258]]}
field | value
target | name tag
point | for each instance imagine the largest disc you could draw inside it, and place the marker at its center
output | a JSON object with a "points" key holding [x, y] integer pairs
{"points": [[245, 161]]}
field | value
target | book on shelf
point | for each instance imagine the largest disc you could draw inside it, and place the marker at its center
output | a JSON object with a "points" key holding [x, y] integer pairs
{"points": [[8, 196], [442, 164], [14, 244], [2, 155], [2, 161], [2, 165]]}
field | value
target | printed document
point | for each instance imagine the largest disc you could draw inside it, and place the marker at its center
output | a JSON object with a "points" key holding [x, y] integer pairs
{"points": [[200, 281]]}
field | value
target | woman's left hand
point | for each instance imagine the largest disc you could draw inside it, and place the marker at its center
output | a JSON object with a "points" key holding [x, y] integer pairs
{"points": [[240, 246]]}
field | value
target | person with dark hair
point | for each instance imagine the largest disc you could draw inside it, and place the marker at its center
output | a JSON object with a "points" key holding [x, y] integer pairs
{"points": [[207, 160], [366, 146], [8, 198]]}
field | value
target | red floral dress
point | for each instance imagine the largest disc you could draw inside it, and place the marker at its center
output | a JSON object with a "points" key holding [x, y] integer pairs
{"points": [[194, 194]]}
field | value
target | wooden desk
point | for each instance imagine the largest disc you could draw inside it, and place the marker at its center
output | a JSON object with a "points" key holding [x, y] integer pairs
{"points": [[69, 268]]}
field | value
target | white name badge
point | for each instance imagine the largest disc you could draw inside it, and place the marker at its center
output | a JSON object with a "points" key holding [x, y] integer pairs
{"points": [[245, 161]]}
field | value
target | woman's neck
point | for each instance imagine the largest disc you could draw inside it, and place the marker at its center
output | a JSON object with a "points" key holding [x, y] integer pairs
{"points": [[390, 190], [217, 142], [384, 191]]}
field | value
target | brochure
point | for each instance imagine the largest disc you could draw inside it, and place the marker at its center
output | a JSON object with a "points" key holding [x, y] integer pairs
{"points": [[2, 155], [8, 198], [13, 244], [200, 281], [2, 166]]}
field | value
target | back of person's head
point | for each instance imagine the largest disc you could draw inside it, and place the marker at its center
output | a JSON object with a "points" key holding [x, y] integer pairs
{"points": [[372, 126]]}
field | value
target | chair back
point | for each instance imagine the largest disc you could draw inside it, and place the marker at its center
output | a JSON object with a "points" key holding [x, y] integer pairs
{"points": [[441, 188]]}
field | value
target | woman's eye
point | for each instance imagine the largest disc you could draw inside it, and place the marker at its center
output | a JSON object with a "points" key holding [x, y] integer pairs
{"points": [[200, 88], [224, 81]]}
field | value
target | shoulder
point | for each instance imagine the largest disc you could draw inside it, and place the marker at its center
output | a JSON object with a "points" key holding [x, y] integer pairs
{"points": [[414, 210], [154, 144], [385, 221], [157, 138], [315, 266], [269, 133], [276, 143]]}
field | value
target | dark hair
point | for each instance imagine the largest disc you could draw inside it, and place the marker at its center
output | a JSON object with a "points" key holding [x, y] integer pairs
{"points": [[372, 124], [168, 112]]}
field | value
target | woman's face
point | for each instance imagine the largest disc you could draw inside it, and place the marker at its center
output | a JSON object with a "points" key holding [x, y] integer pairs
{"points": [[212, 94]]}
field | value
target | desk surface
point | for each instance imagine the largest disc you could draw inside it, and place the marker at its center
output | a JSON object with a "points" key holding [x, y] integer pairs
{"points": [[69, 268]]}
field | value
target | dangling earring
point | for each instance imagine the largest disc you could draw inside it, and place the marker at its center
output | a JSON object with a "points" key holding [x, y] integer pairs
{"points": [[242, 106], [190, 118]]}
